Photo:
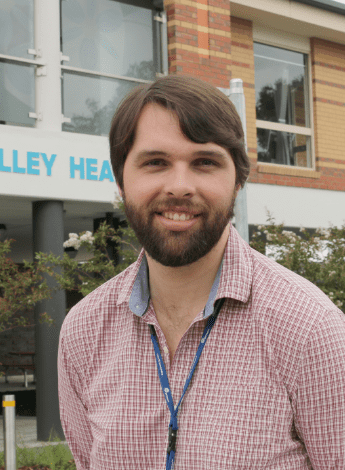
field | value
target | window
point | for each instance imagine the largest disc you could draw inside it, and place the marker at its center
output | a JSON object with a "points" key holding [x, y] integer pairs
{"points": [[108, 48], [282, 106], [17, 63]]}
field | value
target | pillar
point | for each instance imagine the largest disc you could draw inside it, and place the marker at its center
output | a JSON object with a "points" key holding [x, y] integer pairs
{"points": [[48, 236]]}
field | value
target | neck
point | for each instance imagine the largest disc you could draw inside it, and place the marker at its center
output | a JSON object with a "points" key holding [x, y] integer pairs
{"points": [[179, 294]]}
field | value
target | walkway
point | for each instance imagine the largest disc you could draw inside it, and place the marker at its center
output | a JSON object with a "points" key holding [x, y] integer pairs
{"points": [[26, 426]]}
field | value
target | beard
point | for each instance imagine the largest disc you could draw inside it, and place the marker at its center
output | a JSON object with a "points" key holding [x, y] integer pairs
{"points": [[178, 248]]}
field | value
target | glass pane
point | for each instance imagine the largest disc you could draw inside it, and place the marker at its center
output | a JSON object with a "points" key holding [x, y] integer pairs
{"points": [[281, 85], [109, 37], [17, 94], [17, 27], [283, 148], [91, 102]]}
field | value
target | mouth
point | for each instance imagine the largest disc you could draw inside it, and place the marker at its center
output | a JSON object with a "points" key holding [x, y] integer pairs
{"points": [[192, 216]]}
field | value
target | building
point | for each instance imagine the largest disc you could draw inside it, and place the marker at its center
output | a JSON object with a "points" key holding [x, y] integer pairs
{"points": [[65, 66]]}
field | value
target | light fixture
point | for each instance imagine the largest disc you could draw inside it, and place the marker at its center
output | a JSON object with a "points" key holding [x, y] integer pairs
{"points": [[3, 232]]}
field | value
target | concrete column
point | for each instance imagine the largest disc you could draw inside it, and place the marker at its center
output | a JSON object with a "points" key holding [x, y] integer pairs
{"points": [[48, 236]]}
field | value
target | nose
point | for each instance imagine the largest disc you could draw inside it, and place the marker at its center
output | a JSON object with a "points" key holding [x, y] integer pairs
{"points": [[180, 182]]}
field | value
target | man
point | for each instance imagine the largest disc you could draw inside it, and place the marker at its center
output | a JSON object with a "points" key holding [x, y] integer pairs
{"points": [[203, 354]]}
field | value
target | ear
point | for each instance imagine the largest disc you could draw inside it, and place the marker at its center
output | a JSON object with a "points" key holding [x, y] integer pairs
{"points": [[120, 192]]}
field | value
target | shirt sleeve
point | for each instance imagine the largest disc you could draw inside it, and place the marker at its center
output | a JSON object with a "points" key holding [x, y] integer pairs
{"points": [[320, 402], [72, 411]]}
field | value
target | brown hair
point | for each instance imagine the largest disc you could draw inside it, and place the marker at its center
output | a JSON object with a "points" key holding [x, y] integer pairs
{"points": [[204, 112]]}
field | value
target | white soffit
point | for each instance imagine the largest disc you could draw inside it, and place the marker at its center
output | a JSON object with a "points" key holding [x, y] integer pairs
{"points": [[279, 38], [291, 17]]}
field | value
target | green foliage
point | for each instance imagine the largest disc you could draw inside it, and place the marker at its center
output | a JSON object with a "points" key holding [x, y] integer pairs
{"points": [[20, 289], [54, 457], [301, 254], [87, 276]]}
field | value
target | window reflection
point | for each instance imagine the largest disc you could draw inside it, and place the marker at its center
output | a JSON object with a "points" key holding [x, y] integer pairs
{"points": [[16, 27], [17, 94], [91, 102], [281, 85], [108, 37], [283, 148]]}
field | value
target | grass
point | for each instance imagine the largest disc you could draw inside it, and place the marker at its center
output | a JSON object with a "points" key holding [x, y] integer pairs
{"points": [[54, 457]]}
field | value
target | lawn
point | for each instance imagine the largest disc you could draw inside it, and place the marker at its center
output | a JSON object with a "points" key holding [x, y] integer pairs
{"points": [[53, 457]]}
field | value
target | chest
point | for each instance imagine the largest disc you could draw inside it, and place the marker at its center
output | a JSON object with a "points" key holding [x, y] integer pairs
{"points": [[233, 415], [173, 337], [174, 331]]}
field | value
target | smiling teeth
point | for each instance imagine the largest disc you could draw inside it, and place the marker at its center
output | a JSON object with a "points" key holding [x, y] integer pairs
{"points": [[175, 216]]}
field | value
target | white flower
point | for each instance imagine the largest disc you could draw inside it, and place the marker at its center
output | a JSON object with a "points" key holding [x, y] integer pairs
{"points": [[260, 227], [338, 303], [258, 233], [331, 273], [73, 235], [269, 237], [72, 242], [87, 237], [118, 199], [325, 232], [266, 232], [331, 294]]}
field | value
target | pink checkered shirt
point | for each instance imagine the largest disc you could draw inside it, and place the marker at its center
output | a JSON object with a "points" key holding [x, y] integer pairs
{"points": [[268, 391]]}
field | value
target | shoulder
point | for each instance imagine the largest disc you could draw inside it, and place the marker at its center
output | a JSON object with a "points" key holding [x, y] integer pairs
{"points": [[289, 314], [85, 320], [279, 287]]}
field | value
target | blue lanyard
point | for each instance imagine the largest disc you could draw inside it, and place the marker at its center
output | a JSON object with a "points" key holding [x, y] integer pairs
{"points": [[173, 427]]}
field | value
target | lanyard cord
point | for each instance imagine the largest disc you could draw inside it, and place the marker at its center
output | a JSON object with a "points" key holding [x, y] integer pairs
{"points": [[173, 427]]}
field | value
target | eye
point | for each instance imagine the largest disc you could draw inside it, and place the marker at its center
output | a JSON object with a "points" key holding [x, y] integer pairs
{"points": [[211, 161], [203, 160]]}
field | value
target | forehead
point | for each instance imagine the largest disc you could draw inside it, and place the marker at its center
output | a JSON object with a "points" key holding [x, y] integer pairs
{"points": [[159, 129], [158, 119]]}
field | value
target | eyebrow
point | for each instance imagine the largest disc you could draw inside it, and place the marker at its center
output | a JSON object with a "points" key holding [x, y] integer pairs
{"points": [[199, 153]]}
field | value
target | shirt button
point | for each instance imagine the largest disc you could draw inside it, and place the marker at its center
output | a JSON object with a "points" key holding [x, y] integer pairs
{"points": [[166, 350]]}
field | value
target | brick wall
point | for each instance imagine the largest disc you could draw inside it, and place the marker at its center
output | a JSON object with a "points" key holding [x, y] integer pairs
{"points": [[243, 67], [206, 42], [199, 40], [328, 76]]}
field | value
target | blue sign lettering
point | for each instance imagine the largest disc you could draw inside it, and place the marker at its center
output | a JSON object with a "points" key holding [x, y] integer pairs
{"points": [[33, 166], [106, 172], [32, 158], [91, 167], [2, 166], [48, 163], [73, 167], [16, 168]]}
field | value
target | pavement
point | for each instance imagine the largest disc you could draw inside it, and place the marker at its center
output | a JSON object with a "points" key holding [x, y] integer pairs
{"points": [[26, 426]]}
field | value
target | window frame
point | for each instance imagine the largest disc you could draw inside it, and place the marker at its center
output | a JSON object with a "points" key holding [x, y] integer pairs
{"points": [[40, 69], [160, 49], [292, 43]]}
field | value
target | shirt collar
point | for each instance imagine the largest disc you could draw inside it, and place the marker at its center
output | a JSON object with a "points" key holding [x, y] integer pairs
{"points": [[233, 279]]}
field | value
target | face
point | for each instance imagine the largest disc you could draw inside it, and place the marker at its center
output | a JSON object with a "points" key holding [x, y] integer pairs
{"points": [[178, 177]]}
